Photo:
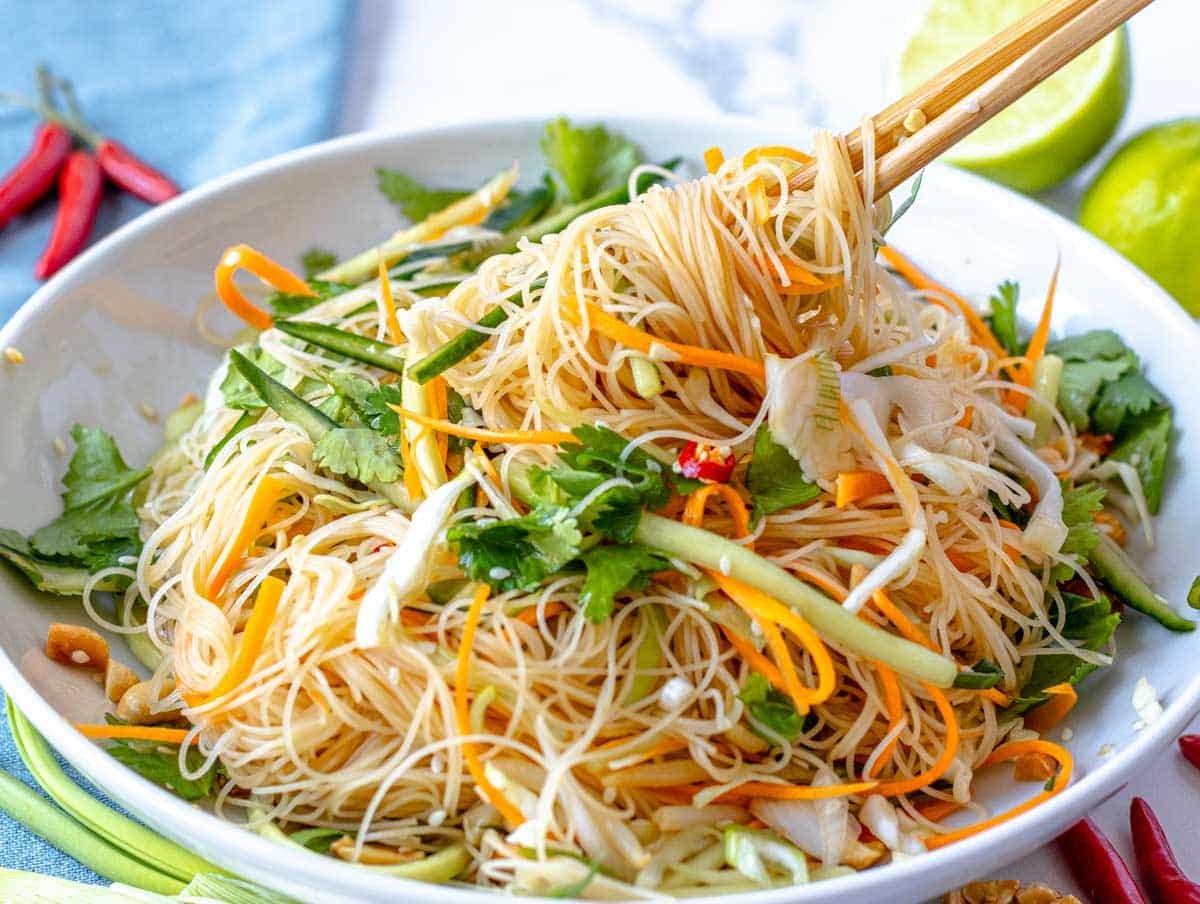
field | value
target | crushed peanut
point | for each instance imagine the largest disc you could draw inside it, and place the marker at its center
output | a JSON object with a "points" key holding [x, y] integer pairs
{"points": [[373, 854], [77, 645], [59, 446], [14, 355], [1035, 767], [118, 678], [149, 412], [1007, 891]]}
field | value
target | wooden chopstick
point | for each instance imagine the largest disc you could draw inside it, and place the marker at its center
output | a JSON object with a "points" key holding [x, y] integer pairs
{"points": [[968, 114], [1073, 24]]}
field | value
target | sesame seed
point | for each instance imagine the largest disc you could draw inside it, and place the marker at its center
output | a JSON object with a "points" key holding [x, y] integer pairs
{"points": [[59, 446], [1067, 734], [149, 412], [1106, 750], [79, 657], [14, 355]]}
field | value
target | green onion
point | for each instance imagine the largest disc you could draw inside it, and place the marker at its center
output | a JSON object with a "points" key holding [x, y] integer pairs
{"points": [[980, 677], [839, 625], [247, 418], [215, 887], [360, 348], [1046, 376], [165, 858], [1118, 571], [34, 888]]}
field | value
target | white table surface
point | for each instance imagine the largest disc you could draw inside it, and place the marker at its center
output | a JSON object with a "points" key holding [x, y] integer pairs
{"points": [[822, 62]]}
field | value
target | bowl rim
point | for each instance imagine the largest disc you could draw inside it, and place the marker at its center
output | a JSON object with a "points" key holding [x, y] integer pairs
{"points": [[261, 859]]}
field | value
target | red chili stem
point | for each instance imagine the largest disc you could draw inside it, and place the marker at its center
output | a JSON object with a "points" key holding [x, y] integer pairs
{"points": [[1189, 746], [33, 175], [80, 186], [1097, 866], [1156, 861]]}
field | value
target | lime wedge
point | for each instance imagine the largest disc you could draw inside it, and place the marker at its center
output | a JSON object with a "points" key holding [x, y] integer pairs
{"points": [[1146, 204], [1050, 132]]}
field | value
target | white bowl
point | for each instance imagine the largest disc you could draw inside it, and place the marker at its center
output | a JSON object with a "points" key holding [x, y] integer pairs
{"points": [[116, 329]]}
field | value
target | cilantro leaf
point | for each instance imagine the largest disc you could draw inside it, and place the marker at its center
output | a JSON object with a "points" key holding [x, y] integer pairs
{"points": [[369, 402], [519, 553], [88, 536], [159, 763], [314, 260], [1004, 317], [775, 479], [1080, 385], [285, 304], [1089, 346], [1080, 505], [318, 839], [771, 709], [97, 474], [1124, 398], [416, 201], [358, 453], [600, 451], [586, 161], [1088, 621], [1144, 443], [611, 569], [237, 390]]}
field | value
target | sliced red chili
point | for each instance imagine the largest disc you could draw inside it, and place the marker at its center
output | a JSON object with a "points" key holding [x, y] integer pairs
{"points": [[80, 186], [1097, 866], [1156, 861], [35, 173], [701, 461]]}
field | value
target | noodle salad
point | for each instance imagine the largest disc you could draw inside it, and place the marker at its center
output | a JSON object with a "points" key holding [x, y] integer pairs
{"points": [[629, 536]]}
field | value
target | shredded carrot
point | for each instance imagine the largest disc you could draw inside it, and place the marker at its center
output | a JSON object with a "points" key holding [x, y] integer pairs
{"points": [[660, 748], [787, 668], [462, 713], [713, 158], [753, 155], [943, 763], [1008, 752], [1037, 346], [1115, 528], [805, 289], [853, 486], [538, 437], [803, 281], [391, 322], [820, 579], [621, 332], [439, 407], [996, 695], [758, 200], [772, 791], [266, 602], [693, 512], [937, 810], [529, 615], [134, 732], [895, 710], [919, 280], [968, 416], [757, 660], [902, 622], [414, 618], [266, 494], [412, 480], [1062, 700], [274, 274]]}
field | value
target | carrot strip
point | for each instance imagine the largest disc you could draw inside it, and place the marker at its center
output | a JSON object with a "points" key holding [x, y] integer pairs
{"points": [[772, 791], [996, 695], [693, 511], [439, 407], [819, 578], [134, 732], [787, 668], [266, 494], [895, 709], [757, 660], [462, 712], [919, 280], [266, 603], [937, 810], [756, 154], [1037, 346], [758, 200], [274, 274], [539, 437], [853, 486], [661, 748], [412, 479], [1007, 752], [713, 158], [622, 333], [529, 615], [902, 622], [394, 334], [943, 763], [1062, 700]]}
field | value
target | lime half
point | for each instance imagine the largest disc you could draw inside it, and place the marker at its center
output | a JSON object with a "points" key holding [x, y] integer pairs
{"points": [[1146, 204], [1050, 132]]}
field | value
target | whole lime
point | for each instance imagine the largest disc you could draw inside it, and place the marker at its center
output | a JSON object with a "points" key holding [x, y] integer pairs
{"points": [[1050, 132], [1146, 204]]}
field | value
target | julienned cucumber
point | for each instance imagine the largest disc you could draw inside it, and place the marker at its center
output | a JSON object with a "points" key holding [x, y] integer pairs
{"points": [[838, 625], [1116, 570], [360, 348]]}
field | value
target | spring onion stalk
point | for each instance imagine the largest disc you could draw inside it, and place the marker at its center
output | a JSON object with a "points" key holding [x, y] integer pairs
{"points": [[363, 266], [1118, 571], [648, 656], [60, 579], [215, 887], [749, 850], [46, 821], [465, 343], [34, 888], [646, 380], [838, 625], [155, 852], [1046, 376], [360, 348], [247, 418], [308, 418]]}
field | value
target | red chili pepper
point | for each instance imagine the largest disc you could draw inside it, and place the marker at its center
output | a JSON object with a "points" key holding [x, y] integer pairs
{"points": [[133, 174], [700, 461], [1097, 867], [1189, 745], [1155, 859], [33, 176], [80, 185]]}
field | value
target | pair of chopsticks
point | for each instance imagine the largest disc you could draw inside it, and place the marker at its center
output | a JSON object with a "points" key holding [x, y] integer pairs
{"points": [[976, 87]]}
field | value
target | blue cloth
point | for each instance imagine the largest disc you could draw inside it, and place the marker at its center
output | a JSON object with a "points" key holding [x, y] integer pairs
{"points": [[196, 89]]}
